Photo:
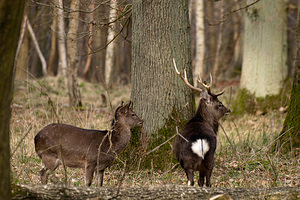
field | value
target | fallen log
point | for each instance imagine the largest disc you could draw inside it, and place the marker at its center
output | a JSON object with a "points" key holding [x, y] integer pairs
{"points": [[51, 191]]}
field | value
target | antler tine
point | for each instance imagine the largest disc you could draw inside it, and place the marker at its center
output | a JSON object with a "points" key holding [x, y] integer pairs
{"points": [[206, 86], [185, 77]]}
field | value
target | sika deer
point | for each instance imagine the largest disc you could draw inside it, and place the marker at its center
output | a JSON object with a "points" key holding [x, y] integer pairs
{"points": [[195, 146], [58, 144]]}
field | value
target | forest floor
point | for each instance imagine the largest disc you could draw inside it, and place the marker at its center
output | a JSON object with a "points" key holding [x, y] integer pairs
{"points": [[243, 159]]}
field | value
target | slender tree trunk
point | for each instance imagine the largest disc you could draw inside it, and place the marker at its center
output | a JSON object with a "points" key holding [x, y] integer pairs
{"points": [[110, 50], [226, 43], [21, 62], [53, 53], [210, 37], [10, 22], [72, 44], [37, 48], [199, 56], [62, 52], [265, 49], [160, 32], [90, 40]]}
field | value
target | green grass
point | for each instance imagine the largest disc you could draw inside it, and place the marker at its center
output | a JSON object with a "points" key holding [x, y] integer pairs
{"points": [[244, 159]]}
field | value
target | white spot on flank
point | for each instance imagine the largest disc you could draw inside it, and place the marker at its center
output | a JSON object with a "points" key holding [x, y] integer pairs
{"points": [[200, 147]]}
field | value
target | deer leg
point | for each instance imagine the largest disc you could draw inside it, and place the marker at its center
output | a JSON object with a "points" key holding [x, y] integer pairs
{"points": [[100, 178], [208, 175], [89, 172], [190, 176], [201, 178], [51, 163], [44, 175]]}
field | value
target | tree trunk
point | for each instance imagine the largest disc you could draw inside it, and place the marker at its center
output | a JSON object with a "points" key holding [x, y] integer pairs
{"points": [[72, 44], [265, 49], [11, 14], [152, 192], [90, 19], [21, 62], [289, 136], [62, 52], [52, 57], [199, 55], [110, 50], [160, 32], [210, 37], [225, 44]]}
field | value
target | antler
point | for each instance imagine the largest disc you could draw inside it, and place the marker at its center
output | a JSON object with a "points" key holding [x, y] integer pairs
{"points": [[207, 87], [185, 78]]}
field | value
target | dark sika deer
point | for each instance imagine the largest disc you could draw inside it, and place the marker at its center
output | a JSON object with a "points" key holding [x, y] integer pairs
{"points": [[195, 146], [58, 144]]}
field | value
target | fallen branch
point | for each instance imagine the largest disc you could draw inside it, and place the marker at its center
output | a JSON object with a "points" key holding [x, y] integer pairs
{"points": [[150, 192]]}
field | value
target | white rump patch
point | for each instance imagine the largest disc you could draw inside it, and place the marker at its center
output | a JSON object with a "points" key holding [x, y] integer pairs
{"points": [[200, 147]]}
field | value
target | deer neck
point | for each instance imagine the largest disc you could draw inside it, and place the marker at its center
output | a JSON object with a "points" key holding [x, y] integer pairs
{"points": [[120, 136], [204, 114]]}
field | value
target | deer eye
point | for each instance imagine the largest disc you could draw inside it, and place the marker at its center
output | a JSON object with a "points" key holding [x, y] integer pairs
{"points": [[220, 105]]}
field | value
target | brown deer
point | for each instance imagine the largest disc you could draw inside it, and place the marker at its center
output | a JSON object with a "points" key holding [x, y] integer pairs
{"points": [[62, 144], [195, 146]]}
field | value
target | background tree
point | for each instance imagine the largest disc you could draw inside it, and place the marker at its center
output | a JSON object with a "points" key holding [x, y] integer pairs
{"points": [[11, 14], [160, 31], [72, 45], [264, 55]]}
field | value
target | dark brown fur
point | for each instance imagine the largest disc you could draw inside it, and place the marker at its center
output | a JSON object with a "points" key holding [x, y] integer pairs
{"points": [[204, 125], [78, 148]]}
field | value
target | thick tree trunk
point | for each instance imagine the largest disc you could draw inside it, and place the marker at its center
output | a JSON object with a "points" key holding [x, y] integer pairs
{"points": [[110, 50], [72, 45], [11, 13], [160, 32], [62, 52], [265, 49], [152, 192]]}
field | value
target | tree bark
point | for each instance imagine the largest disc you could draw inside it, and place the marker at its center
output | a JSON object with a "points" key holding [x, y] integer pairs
{"points": [[72, 45], [265, 49], [151, 192], [63, 64], [11, 14], [110, 50], [160, 32]]}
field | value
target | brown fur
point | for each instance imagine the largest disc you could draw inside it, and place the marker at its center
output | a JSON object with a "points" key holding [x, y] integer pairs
{"points": [[76, 147]]}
